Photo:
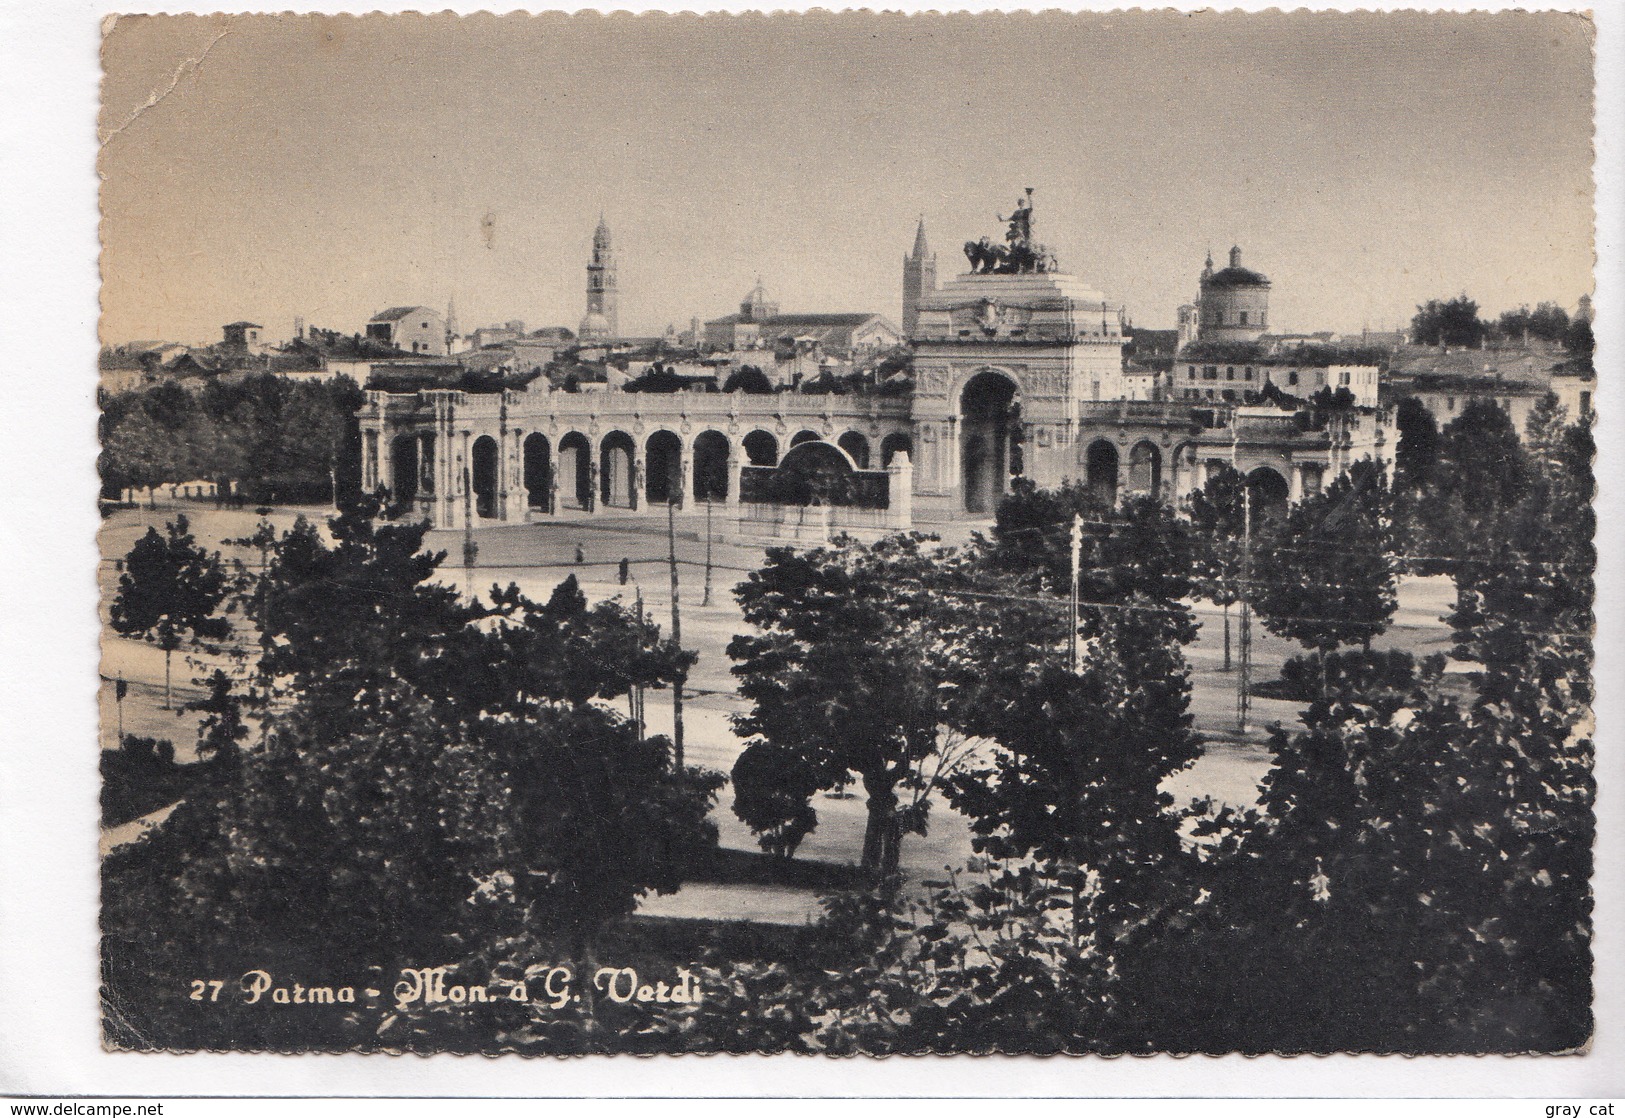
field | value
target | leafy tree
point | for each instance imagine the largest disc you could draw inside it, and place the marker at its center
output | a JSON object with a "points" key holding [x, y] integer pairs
{"points": [[773, 790], [843, 680], [171, 589], [1581, 343], [1548, 321], [430, 772], [1483, 458], [1453, 322], [136, 455], [1327, 575], [1076, 772], [750, 380], [1218, 520], [1137, 547], [1418, 450]]}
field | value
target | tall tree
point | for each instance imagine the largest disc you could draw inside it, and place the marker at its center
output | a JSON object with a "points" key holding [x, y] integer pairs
{"points": [[1452, 322], [1218, 518], [1418, 450], [1326, 576], [171, 589], [843, 676]]}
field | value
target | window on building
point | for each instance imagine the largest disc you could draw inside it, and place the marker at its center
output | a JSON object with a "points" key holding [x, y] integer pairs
{"points": [[1210, 394], [1210, 372], [1229, 372], [1230, 394], [1249, 372], [1292, 377], [1343, 379], [1243, 318], [1449, 403], [1191, 375], [1585, 403]]}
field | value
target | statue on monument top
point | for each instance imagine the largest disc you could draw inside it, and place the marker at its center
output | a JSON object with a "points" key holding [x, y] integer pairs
{"points": [[1019, 254], [1021, 221]]}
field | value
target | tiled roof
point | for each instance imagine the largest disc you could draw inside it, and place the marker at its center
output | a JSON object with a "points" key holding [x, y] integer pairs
{"points": [[395, 314]]}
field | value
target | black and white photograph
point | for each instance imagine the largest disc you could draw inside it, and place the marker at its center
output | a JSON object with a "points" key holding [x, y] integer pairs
{"points": [[847, 534]]}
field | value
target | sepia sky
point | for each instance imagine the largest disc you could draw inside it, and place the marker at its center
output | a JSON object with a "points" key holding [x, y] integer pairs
{"points": [[333, 166]]}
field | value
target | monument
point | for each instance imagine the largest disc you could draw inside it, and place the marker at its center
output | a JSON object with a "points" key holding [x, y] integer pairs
{"points": [[1005, 354]]}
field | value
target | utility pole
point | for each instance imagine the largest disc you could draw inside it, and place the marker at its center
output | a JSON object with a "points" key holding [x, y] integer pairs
{"points": [[470, 548], [676, 638], [635, 695], [1245, 674], [706, 600], [1077, 564]]}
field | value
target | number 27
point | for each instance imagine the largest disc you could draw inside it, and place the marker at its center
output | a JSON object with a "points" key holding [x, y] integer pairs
{"points": [[199, 985]]}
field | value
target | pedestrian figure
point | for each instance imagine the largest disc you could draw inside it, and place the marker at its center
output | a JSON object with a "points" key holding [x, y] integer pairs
{"points": [[626, 570], [580, 555]]}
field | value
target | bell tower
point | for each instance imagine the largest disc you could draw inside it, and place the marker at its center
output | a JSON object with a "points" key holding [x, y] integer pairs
{"points": [[603, 296], [919, 279]]}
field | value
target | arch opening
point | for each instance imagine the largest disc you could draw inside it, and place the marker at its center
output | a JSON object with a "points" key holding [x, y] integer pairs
{"points": [[892, 444], [663, 461], [1101, 471], [711, 466], [538, 466], [804, 437], [1269, 494], [484, 468], [403, 468], [575, 471], [856, 446], [761, 449], [1145, 469], [987, 410], [615, 471]]}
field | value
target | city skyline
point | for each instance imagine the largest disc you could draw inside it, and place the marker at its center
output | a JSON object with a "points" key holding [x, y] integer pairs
{"points": [[328, 167]]}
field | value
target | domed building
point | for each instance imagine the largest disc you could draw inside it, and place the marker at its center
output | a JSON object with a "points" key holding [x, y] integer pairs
{"points": [[1234, 305]]}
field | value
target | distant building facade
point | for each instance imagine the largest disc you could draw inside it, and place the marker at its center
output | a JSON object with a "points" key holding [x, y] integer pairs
{"points": [[413, 329], [243, 337]]}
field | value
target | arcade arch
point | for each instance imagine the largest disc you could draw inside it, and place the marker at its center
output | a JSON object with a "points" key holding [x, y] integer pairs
{"points": [[615, 471], [987, 408], [403, 468], [1145, 469], [1100, 471], [663, 464], [891, 444], [761, 449], [710, 466], [856, 447], [483, 464], [575, 470], [538, 462]]}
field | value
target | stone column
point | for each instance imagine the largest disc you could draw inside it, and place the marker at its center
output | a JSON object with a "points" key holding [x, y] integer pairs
{"points": [[519, 495], [736, 467], [386, 462], [685, 478], [900, 492], [369, 460], [640, 473], [1294, 482]]}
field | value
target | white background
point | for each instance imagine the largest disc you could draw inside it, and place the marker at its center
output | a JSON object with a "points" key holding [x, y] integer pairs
{"points": [[49, 1039]]}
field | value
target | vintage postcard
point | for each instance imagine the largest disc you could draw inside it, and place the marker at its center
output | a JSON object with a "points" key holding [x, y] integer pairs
{"points": [[847, 533]]}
